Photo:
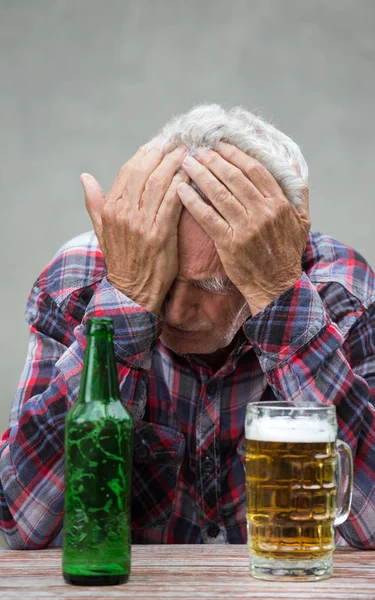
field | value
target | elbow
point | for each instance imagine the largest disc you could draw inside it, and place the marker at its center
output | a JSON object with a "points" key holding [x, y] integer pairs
{"points": [[357, 534], [358, 530], [15, 541]]}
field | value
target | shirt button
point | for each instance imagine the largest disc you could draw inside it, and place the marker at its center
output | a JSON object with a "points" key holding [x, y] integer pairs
{"points": [[211, 388], [141, 451], [213, 530], [208, 465]]}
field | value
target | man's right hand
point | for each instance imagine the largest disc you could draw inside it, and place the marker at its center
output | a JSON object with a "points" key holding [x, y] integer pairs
{"points": [[136, 224]]}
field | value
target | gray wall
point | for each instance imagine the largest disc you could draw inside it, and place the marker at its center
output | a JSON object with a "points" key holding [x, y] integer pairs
{"points": [[85, 82]]}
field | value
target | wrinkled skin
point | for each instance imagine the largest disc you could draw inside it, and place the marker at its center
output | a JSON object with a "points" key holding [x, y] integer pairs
{"points": [[154, 250], [136, 224], [195, 320], [258, 234]]}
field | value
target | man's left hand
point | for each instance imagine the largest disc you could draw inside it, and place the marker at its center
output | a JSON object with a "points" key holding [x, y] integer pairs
{"points": [[259, 235]]}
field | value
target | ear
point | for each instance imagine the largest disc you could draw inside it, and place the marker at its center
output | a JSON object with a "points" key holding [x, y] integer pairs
{"points": [[297, 167], [304, 208]]}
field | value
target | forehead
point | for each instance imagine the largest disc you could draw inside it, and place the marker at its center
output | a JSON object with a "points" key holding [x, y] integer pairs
{"points": [[197, 256]]}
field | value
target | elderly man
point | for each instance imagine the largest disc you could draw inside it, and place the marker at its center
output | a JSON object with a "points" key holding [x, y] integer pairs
{"points": [[220, 295]]}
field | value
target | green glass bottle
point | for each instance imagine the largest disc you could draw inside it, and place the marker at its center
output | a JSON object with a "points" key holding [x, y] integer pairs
{"points": [[98, 458]]}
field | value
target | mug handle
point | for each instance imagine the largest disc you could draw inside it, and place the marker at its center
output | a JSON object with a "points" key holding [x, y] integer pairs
{"points": [[344, 470]]}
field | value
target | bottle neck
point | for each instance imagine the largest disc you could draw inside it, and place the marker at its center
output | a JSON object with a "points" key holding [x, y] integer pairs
{"points": [[99, 377]]}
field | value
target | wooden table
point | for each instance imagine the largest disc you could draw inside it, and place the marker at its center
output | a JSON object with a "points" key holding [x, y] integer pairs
{"points": [[183, 573]]}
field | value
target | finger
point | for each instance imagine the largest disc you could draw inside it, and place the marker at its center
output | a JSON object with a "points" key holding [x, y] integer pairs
{"points": [[207, 217], [223, 200], [155, 142], [94, 200], [171, 207], [154, 148], [252, 168], [139, 172], [160, 179], [231, 176]]}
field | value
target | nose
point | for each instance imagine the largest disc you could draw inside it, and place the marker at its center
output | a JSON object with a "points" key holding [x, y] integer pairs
{"points": [[181, 304]]}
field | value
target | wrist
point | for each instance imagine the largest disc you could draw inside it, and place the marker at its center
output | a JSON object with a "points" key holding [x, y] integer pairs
{"points": [[258, 300], [152, 305], [150, 302], [290, 322]]}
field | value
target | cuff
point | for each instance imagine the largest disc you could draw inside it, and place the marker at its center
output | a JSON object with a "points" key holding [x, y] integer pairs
{"points": [[287, 324], [135, 329]]}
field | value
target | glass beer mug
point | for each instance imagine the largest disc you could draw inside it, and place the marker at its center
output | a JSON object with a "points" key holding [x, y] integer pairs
{"points": [[299, 481]]}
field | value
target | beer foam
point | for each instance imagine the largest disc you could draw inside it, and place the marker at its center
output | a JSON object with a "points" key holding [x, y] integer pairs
{"points": [[286, 429]]}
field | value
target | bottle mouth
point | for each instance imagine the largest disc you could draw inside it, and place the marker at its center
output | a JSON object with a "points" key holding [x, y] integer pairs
{"points": [[96, 324]]}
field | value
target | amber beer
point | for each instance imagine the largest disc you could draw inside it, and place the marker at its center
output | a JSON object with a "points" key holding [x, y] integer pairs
{"points": [[291, 504], [291, 491]]}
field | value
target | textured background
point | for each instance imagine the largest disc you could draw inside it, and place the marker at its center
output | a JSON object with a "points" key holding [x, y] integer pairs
{"points": [[85, 82]]}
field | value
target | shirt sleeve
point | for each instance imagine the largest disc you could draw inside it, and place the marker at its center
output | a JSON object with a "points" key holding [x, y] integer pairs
{"points": [[304, 353], [32, 448]]}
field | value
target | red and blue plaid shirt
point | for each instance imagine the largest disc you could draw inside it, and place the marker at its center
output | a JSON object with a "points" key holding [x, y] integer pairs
{"points": [[317, 339]]}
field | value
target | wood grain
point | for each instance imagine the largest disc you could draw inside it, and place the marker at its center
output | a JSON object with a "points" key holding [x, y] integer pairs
{"points": [[184, 573]]}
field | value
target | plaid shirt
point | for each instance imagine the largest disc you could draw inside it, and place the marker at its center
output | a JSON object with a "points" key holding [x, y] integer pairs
{"points": [[317, 338]]}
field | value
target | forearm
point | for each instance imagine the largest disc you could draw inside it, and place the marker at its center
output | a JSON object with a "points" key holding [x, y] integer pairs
{"points": [[32, 471], [302, 354]]}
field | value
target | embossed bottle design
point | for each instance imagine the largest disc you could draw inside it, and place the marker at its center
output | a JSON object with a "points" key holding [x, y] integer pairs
{"points": [[98, 458]]}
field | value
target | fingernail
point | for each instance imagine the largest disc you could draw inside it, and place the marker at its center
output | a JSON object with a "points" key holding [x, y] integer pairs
{"points": [[202, 151], [85, 178], [182, 150], [183, 188], [155, 142], [221, 146], [188, 161], [88, 182]]}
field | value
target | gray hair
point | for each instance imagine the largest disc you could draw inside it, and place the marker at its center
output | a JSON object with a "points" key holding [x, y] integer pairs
{"points": [[208, 124]]}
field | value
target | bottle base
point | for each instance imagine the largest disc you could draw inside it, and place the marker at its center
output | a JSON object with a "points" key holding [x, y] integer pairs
{"points": [[95, 579]]}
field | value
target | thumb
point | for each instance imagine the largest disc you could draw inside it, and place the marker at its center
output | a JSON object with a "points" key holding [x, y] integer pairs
{"points": [[94, 200]]}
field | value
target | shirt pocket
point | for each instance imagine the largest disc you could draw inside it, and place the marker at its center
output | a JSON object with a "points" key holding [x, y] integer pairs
{"points": [[158, 455]]}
